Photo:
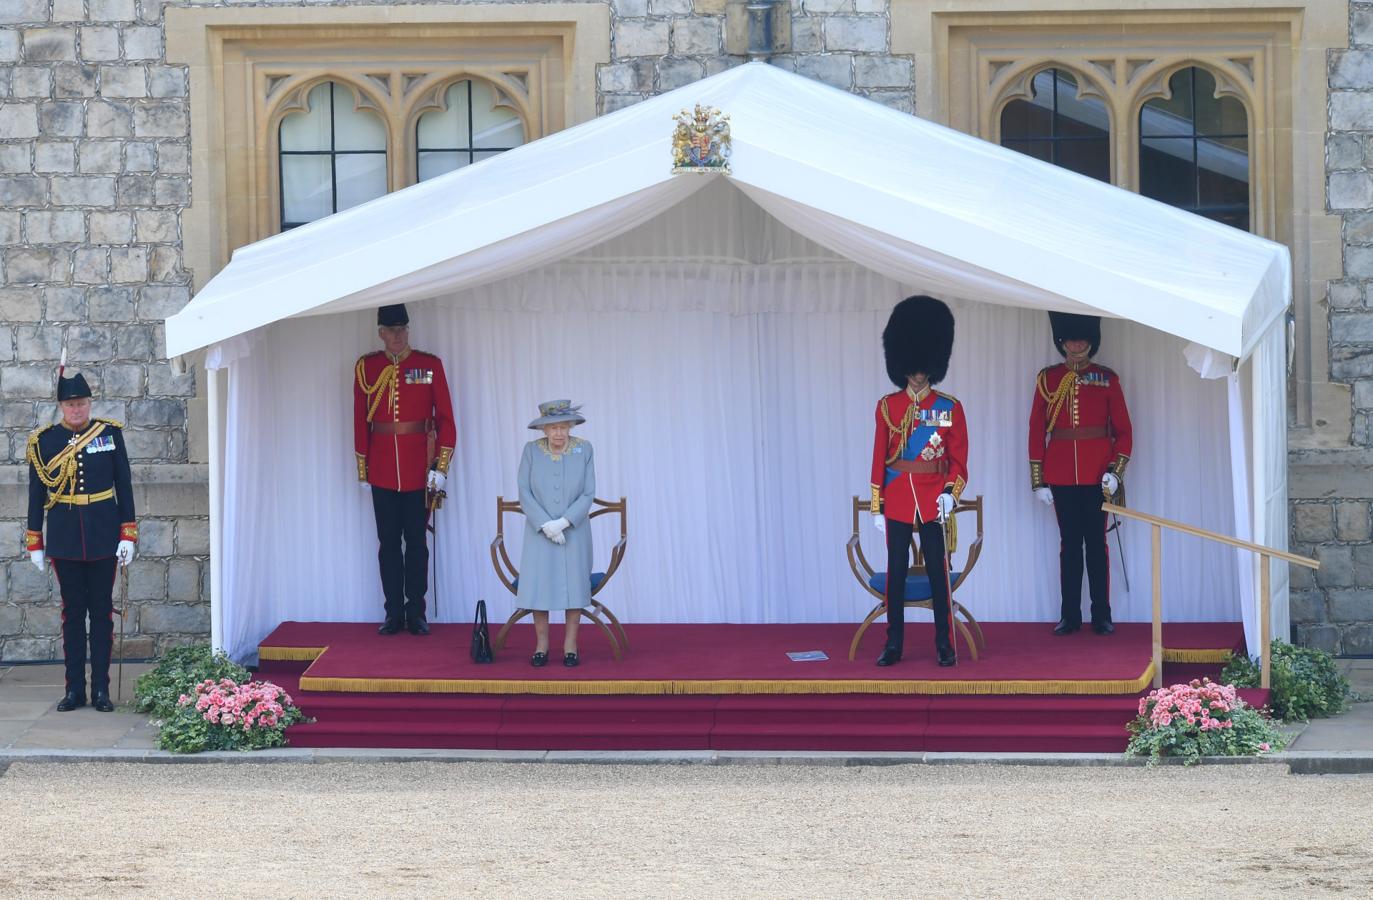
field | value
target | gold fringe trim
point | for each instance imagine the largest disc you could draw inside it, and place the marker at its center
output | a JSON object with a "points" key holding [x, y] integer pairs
{"points": [[723, 686], [291, 654], [1197, 656]]}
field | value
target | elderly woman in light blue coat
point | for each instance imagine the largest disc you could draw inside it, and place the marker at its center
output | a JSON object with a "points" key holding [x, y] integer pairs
{"points": [[557, 483]]}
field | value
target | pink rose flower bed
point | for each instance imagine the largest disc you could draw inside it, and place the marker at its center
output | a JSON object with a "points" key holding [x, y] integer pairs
{"points": [[227, 715], [1200, 718]]}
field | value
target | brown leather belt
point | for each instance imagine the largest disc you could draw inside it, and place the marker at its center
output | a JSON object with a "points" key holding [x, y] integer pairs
{"points": [[920, 466], [1079, 434], [420, 426]]}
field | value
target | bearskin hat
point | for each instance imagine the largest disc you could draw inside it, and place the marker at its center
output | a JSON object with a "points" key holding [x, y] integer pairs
{"points": [[1072, 327], [918, 338]]}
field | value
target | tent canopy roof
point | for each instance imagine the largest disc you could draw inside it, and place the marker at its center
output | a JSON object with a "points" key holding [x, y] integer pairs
{"points": [[922, 204]]}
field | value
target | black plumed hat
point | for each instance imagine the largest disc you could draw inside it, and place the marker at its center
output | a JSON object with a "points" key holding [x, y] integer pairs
{"points": [[1073, 327], [918, 338], [391, 316], [73, 388]]}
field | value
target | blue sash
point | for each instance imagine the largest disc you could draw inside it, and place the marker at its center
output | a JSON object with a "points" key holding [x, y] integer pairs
{"points": [[927, 424]]}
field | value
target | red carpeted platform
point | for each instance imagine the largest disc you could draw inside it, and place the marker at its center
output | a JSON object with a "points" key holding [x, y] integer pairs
{"points": [[726, 687]]}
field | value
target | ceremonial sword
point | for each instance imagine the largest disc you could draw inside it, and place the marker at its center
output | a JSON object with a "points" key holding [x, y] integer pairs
{"points": [[123, 616]]}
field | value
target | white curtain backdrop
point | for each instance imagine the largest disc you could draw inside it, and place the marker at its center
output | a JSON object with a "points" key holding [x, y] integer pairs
{"points": [[728, 374]]}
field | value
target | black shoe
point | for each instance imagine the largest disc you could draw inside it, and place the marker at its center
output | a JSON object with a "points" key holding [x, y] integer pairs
{"points": [[946, 656], [1065, 627], [1104, 627], [71, 701], [390, 626], [417, 625], [890, 656], [538, 660], [570, 660], [101, 701]]}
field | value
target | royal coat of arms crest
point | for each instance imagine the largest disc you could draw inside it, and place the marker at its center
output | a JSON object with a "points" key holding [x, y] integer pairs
{"points": [[700, 142]]}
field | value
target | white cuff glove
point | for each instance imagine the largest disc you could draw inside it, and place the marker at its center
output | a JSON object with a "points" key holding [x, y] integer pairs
{"points": [[562, 524], [550, 529], [1044, 495], [125, 552], [437, 480], [880, 523], [558, 538], [945, 503], [39, 558], [1110, 483]]}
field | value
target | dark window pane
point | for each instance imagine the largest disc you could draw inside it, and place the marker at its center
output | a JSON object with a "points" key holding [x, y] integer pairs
{"points": [[1180, 165], [1178, 107], [1166, 172], [1091, 158], [1058, 127]]}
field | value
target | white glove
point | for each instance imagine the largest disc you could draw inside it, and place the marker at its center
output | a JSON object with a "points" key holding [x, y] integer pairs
{"points": [[945, 503], [558, 538], [365, 485], [1044, 495], [880, 523], [437, 480], [124, 553], [39, 558], [550, 529], [1110, 483], [562, 524]]}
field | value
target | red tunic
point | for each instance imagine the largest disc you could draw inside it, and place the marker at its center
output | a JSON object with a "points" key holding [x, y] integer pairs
{"points": [[397, 405], [1079, 426], [935, 434]]}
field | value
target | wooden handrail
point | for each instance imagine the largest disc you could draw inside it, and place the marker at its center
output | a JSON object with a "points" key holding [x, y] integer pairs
{"points": [[1210, 535], [1266, 556]]}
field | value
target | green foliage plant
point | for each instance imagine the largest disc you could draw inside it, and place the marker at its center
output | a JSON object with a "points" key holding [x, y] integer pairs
{"points": [[1305, 682]]}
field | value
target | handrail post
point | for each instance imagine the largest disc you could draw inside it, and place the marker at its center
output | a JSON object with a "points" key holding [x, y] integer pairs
{"points": [[1158, 604], [1265, 619]]}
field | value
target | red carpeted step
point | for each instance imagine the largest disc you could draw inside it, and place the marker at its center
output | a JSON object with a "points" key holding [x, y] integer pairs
{"points": [[422, 735], [624, 722]]}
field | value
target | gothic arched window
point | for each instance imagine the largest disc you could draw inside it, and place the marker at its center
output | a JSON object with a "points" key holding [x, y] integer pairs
{"points": [[1058, 126], [331, 156]]}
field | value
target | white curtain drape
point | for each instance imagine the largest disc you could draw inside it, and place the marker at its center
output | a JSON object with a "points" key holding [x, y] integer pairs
{"points": [[729, 386]]}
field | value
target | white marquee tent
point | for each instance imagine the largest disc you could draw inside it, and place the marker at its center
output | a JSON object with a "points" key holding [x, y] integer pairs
{"points": [[723, 333]]}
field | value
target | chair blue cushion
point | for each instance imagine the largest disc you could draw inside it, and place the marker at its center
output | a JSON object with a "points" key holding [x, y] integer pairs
{"points": [[596, 579], [917, 586]]}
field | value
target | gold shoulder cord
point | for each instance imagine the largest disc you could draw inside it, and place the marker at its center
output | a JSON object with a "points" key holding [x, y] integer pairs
{"points": [[904, 429], [375, 392], [1058, 397], [58, 475]]}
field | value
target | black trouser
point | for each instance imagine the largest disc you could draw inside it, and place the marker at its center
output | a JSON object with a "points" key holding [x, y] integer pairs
{"points": [[87, 590], [1082, 528], [898, 561], [404, 573]]}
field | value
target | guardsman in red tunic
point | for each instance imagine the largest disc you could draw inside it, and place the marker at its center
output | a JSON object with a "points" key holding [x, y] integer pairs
{"points": [[919, 464], [400, 404], [1080, 442], [80, 481]]}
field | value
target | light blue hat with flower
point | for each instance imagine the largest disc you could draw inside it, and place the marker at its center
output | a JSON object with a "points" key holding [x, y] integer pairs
{"points": [[555, 411]]}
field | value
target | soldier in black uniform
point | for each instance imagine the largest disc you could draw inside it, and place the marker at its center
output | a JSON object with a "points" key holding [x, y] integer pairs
{"points": [[79, 476]]}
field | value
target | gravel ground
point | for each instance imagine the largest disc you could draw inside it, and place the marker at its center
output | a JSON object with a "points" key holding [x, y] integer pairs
{"points": [[522, 830]]}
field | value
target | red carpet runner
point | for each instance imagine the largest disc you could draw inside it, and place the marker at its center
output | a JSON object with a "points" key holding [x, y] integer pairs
{"points": [[727, 687]]}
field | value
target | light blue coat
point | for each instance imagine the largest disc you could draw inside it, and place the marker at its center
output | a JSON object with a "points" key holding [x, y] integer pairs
{"points": [[554, 576]]}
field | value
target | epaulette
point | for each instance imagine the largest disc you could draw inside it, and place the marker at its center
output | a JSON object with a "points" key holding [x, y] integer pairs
{"points": [[950, 397], [1107, 369], [115, 422]]}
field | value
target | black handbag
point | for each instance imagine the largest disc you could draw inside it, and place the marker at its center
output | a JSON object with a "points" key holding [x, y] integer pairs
{"points": [[481, 636]]}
